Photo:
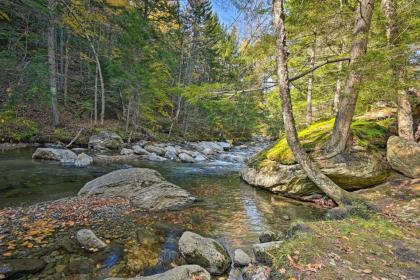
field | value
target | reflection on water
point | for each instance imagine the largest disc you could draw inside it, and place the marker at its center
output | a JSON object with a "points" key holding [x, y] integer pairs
{"points": [[228, 209]]}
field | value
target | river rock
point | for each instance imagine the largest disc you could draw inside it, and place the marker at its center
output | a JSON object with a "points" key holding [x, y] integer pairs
{"points": [[207, 147], [154, 157], [155, 149], [205, 252], [186, 158], [11, 267], [183, 272], [256, 272], [225, 145], [87, 239], [83, 160], [138, 150], [269, 236], [200, 157], [145, 188], [61, 155], [232, 158], [105, 140], [264, 252], [240, 258], [352, 171], [170, 152], [404, 156], [125, 151]]}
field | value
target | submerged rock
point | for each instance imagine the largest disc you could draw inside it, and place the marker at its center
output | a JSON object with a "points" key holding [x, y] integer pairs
{"points": [[404, 156], [83, 160], [264, 252], [184, 272], [87, 239], [240, 258], [205, 252], [145, 188], [61, 155], [105, 140], [11, 267]]}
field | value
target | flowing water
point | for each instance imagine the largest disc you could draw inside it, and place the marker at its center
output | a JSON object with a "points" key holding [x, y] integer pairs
{"points": [[230, 210]]}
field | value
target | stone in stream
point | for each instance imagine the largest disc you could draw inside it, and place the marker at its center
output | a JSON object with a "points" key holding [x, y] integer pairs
{"points": [[154, 157], [61, 155], [87, 239], [264, 252], [240, 258], [269, 236], [138, 150], [105, 140], [83, 160], [11, 267], [404, 156], [186, 158], [170, 153], [155, 149], [200, 157], [125, 151], [205, 252], [145, 188], [183, 272]]}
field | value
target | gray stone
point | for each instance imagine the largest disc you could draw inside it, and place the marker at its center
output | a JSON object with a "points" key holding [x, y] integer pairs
{"points": [[155, 157], [264, 252], [232, 158], [256, 272], [240, 258], [170, 153], [61, 155], [269, 236], [200, 157], [83, 160], [206, 252], [105, 140], [11, 267], [186, 158], [138, 150], [404, 156], [125, 151], [145, 188], [225, 145], [155, 149], [183, 272], [209, 146], [87, 239]]}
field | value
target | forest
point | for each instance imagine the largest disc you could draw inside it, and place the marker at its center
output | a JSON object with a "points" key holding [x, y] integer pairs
{"points": [[209, 139]]}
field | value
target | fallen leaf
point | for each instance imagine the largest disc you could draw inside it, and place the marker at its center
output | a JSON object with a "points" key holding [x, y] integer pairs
{"points": [[7, 254], [367, 271]]}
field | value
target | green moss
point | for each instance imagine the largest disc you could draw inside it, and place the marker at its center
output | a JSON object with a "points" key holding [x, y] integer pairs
{"points": [[370, 134], [16, 129], [62, 135]]}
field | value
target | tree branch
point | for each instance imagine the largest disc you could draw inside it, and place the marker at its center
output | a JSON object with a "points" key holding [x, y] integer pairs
{"points": [[316, 67]]}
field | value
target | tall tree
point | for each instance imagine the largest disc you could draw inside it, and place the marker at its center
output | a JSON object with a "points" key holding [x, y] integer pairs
{"points": [[51, 61], [405, 114], [339, 195], [347, 105], [312, 51]]}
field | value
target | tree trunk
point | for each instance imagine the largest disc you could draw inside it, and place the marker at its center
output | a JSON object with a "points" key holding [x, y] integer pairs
{"points": [[52, 63], [347, 106], [339, 195], [405, 114], [95, 98], [66, 70], [101, 82], [337, 89], [310, 85]]}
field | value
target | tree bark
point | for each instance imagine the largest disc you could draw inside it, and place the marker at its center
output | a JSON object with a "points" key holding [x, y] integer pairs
{"points": [[339, 195], [66, 70], [52, 63], [347, 106], [337, 89], [310, 85], [95, 98], [405, 114]]}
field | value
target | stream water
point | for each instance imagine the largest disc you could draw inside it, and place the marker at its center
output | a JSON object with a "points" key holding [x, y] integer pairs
{"points": [[231, 211]]}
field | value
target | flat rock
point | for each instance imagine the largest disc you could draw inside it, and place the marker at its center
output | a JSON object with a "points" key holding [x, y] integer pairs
{"points": [[138, 150], [145, 188], [61, 155], [404, 156], [125, 151], [83, 160], [264, 252], [155, 149], [11, 267], [206, 252], [186, 158], [184, 272]]}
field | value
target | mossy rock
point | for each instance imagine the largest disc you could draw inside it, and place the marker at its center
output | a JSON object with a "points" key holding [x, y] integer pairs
{"points": [[362, 166]]}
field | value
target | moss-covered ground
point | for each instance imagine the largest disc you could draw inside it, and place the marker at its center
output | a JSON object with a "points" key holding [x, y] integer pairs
{"points": [[383, 246]]}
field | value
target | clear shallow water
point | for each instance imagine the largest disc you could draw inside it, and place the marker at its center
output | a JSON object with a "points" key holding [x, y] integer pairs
{"points": [[229, 210]]}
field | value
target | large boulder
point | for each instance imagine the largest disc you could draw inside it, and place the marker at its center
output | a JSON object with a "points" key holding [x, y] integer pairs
{"points": [[205, 252], [404, 156], [170, 152], [105, 140], [240, 258], [138, 150], [88, 240], [11, 267], [352, 171], [186, 157], [145, 188], [61, 155], [83, 160], [155, 149], [182, 272], [208, 148]]}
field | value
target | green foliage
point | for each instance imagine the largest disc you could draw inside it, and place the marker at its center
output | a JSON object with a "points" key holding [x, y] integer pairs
{"points": [[16, 129]]}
